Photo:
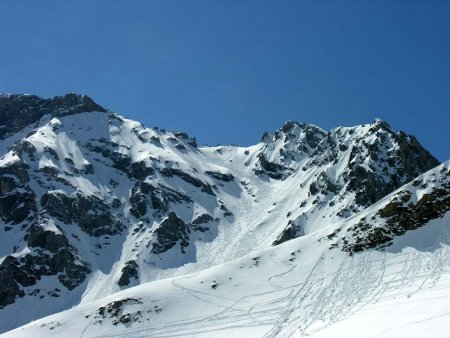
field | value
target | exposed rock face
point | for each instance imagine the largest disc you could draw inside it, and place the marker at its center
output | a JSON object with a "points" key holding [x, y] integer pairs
{"points": [[400, 215], [115, 312], [204, 218], [110, 150], [16, 206], [286, 147], [388, 170], [378, 161], [9, 287], [139, 200], [374, 169], [129, 271], [78, 209], [140, 171], [170, 232], [201, 223], [64, 261], [173, 231], [17, 200], [273, 170], [291, 231], [205, 187], [52, 255], [185, 137], [221, 176], [19, 111], [144, 195]]}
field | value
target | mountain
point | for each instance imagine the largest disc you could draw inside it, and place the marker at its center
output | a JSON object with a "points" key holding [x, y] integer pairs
{"points": [[289, 235], [306, 286]]}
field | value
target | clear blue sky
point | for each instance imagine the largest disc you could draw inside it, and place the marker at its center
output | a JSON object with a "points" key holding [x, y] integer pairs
{"points": [[226, 71]]}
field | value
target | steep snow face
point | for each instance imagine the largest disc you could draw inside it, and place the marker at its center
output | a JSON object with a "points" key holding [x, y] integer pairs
{"points": [[92, 203], [304, 287]]}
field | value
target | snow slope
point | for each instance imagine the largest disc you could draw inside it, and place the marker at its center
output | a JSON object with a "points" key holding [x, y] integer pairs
{"points": [[93, 203], [303, 287]]}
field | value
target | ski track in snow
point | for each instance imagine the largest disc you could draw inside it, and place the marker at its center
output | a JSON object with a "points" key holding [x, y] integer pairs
{"points": [[338, 287], [357, 286]]}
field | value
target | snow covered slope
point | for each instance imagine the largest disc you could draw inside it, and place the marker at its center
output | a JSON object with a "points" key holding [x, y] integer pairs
{"points": [[93, 203], [306, 286]]}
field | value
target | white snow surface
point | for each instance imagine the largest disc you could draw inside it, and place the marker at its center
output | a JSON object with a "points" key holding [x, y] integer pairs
{"points": [[299, 288], [231, 281]]}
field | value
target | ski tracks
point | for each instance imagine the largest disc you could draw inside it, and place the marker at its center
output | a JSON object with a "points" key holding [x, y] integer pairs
{"points": [[358, 283]]}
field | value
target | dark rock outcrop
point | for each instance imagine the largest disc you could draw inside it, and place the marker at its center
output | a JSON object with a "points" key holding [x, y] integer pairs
{"points": [[19, 111], [388, 169], [198, 223], [185, 137], [367, 186], [291, 231], [91, 213], [18, 169], [17, 200], [9, 287], [140, 171], [170, 232], [52, 255], [144, 195], [17, 205], [205, 187], [220, 176], [130, 270], [399, 216], [274, 170]]}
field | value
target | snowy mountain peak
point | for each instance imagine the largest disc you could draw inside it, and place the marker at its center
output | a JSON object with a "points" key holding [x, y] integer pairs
{"points": [[20, 110], [92, 203]]}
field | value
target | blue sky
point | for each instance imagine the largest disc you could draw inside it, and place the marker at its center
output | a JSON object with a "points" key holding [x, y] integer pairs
{"points": [[226, 71]]}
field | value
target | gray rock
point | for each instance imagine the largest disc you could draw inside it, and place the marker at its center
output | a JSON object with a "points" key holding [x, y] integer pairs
{"points": [[19, 111], [130, 270], [170, 232], [92, 214]]}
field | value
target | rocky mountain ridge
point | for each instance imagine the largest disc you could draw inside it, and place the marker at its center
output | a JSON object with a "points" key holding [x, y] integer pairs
{"points": [[92, 203]]}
